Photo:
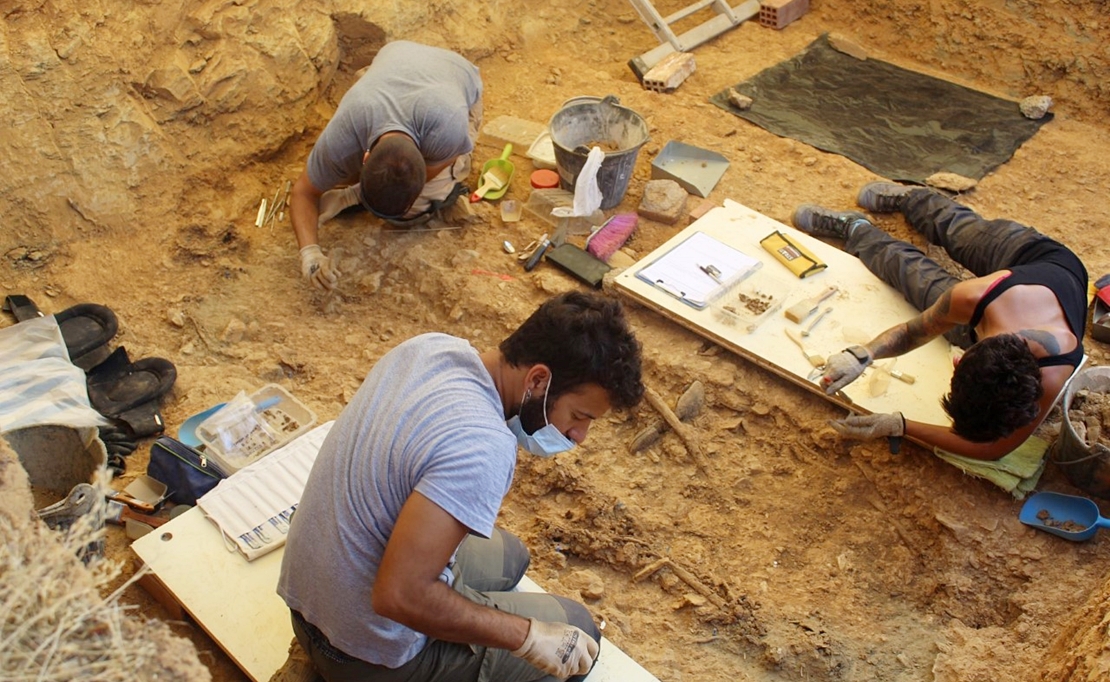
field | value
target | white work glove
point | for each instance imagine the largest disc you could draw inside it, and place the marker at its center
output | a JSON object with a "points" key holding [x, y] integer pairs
{"points": [[558, 649], [864, 427], [845, 367], [333, 201], [318, 268]]}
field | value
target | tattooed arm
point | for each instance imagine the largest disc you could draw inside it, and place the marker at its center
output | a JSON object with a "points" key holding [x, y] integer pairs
{"points": [[954, 307]]}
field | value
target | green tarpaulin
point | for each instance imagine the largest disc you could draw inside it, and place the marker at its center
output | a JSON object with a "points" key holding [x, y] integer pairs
{"points": [[901, 124]]}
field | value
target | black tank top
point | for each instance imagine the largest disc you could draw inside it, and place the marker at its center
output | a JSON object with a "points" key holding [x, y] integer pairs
{"points": [[1063, 273]]}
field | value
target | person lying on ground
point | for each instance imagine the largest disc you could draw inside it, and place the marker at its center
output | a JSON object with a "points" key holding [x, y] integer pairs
{"points": [[394, 569], [1021, 318], [399, 145]]}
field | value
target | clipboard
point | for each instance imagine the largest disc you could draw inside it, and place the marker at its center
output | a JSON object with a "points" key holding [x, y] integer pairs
{"points": [[699, 269]]}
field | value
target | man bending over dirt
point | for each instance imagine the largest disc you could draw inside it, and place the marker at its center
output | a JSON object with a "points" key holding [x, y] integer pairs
{"points": [[394, 569], [398, 144], [1021, 318]]}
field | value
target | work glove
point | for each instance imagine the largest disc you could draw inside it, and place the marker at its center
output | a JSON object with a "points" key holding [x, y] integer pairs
{"points": [[558, 649], [335, 201], [845, 367], [318, 268], [864, 427]]}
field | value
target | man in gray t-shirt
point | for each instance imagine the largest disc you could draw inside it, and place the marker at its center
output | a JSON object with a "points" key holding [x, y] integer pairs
{"points": [[394, 569], [400, 140]]}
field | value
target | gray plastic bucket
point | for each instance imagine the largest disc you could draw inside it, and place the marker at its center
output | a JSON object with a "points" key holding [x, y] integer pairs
{"points": [[585, 122], [1085, 465]]}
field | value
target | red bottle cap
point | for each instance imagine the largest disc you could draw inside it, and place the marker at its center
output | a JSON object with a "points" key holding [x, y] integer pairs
{"points": [[545, 179]]}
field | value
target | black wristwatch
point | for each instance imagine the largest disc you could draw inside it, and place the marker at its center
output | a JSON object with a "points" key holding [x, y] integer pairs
{"points": [[859, 353]]}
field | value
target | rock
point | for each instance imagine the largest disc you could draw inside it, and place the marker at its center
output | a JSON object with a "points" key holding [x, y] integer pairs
{"points": [[738, 100], [663, 201], [848, 47], [464, 256], [177, 318], [1035, 106], [588, 584], [234, 331], [951, 182], [620, 260]]}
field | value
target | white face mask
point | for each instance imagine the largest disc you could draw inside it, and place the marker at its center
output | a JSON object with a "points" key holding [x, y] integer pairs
{"points": [[546, 441]]}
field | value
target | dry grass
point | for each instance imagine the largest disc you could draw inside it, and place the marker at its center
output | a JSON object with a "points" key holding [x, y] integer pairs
{"points": [[57, 626]]}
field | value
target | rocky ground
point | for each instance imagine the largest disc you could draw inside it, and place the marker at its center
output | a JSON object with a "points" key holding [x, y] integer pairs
{"points": [[141, 142]]}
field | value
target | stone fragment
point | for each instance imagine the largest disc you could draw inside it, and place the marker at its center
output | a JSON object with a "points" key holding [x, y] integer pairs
{"points": [[741, 102], [951, 182], [234, 331], [464, 256], [848, 47], [589, 584], [1035, 106], [663, 201]]}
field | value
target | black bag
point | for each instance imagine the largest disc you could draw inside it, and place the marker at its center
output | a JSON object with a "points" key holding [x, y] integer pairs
{"points": [[186, 472]]}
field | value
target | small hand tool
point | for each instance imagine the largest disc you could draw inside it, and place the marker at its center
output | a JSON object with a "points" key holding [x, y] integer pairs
{"points": [[815, 359], [809, 330]]}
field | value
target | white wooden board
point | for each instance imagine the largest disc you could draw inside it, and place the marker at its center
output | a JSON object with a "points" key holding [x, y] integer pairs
{"points": [[864, 307], [237, 604]]}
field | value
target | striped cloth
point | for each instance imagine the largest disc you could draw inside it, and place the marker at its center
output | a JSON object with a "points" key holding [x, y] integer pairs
{"points": [[252, 507], [38, 383]]}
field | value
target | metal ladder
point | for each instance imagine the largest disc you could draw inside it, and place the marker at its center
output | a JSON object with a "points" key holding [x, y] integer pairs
{"points": [[726, 18]]}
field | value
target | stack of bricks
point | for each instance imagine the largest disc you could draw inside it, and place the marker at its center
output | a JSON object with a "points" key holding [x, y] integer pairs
{"points": [[778, 13]]}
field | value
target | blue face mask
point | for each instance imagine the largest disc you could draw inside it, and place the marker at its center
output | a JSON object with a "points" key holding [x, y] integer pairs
{"points": [[546, 441]]}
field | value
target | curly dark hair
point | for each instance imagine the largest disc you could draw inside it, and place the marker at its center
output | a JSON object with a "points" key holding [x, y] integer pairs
{"points": [[584, 339], [995, 389], [392, 176]]}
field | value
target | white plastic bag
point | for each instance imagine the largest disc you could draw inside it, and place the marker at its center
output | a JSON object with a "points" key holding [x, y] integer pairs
{"points": [[587, 194]]}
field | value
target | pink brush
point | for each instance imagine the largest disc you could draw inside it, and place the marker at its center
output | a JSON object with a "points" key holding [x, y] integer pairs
{"points": [[612, 235]]}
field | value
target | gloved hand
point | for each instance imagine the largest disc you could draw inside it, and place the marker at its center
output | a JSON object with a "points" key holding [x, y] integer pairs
{"points": [[864, 427], [335, 201], [558, 649], [318, 268], [844, 368]]}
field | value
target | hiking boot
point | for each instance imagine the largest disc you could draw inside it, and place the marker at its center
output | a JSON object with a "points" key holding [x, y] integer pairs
{"points": [[883, 197], [823, 222]]}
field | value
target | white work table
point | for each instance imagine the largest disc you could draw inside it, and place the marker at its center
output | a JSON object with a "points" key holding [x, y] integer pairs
{"points": [[863, 307], [236, 601]]}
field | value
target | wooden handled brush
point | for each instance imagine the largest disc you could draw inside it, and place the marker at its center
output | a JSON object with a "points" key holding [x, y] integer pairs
{"points": [[803, 309]]}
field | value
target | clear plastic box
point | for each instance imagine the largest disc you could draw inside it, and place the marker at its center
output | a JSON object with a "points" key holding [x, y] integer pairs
{"points": [[753, 301], [283, 418]]}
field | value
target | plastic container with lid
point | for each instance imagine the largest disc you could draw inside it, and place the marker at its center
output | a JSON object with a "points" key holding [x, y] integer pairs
{"points": [[272, 419]]}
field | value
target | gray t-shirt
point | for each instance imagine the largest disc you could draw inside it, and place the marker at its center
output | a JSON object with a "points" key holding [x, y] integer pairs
{"points": [[425, 92], [428, 418]]}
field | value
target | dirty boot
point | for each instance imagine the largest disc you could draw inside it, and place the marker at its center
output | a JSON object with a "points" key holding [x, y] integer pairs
{"points": [[297, 668], [883, 197], [823, 222]]}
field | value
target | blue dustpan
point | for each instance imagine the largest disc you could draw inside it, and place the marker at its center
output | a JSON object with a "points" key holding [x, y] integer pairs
{"points": [[187, 434], [1071, 517]]}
